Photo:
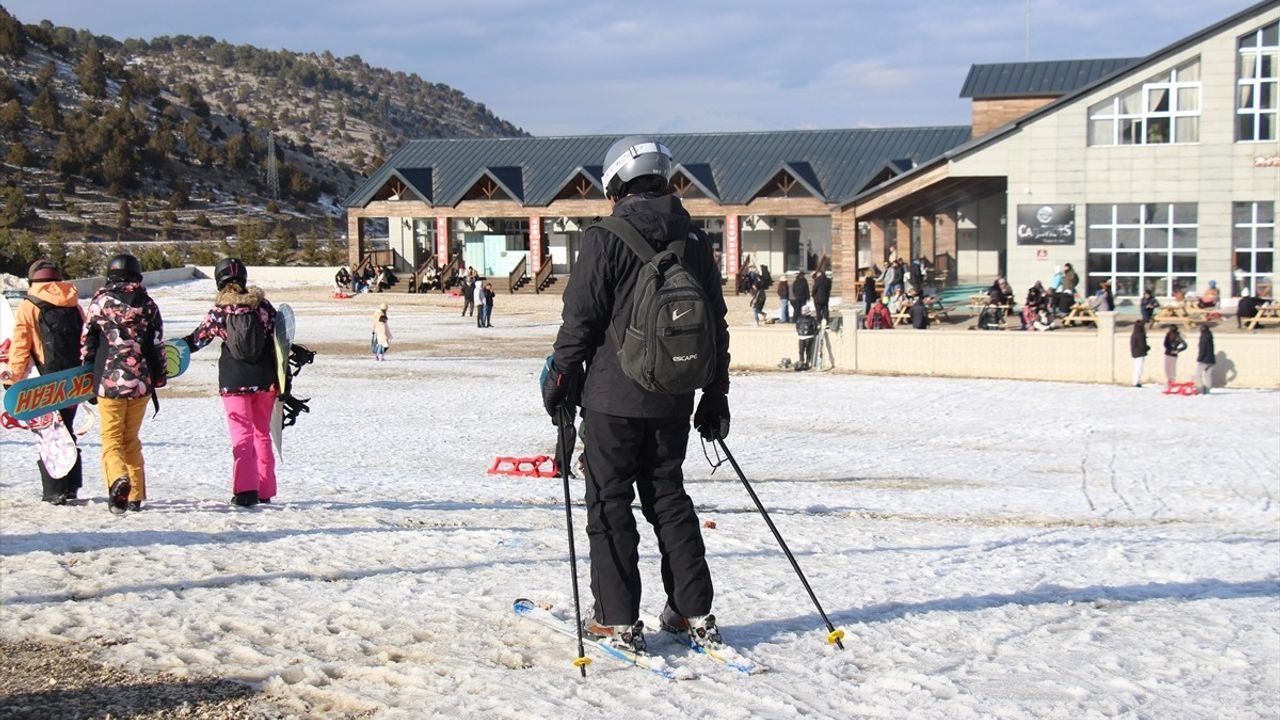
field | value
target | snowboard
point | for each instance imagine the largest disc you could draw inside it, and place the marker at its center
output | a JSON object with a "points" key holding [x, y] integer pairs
{"points": [[284, 330], [53, 438], [39, 394]]}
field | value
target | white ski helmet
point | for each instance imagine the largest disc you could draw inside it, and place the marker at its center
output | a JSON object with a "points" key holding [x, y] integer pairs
{"points": [[631, 157]]}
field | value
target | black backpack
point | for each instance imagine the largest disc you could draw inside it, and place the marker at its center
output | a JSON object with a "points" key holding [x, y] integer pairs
{"points": [[59, 336], [669, 346], [246, 339]]}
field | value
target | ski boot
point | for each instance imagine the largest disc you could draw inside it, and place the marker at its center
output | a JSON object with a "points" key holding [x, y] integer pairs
{"points": [[625, 637], [118, 495], [248, 498], [135, 505], [701, 629]]}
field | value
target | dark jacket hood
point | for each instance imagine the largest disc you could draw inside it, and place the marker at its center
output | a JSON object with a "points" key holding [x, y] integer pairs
{"points": [[657, 217]]}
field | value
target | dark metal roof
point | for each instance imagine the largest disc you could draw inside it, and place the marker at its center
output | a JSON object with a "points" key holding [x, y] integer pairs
{"points": [[730, 167], [1037, 79]]}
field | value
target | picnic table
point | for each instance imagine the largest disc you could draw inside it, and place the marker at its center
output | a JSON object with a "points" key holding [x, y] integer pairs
{"points": [[1267, 315], [1173, 315], [937, 313], [1080, 314]]}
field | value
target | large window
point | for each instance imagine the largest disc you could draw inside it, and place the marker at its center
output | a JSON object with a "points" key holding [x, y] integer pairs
{"points": [[1142, 246], [1162, 110], [1257, 84], [1253, 233]]}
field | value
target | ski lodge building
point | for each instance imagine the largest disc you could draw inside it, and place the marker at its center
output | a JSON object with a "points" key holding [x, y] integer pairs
{"points": [[1158, 172]]}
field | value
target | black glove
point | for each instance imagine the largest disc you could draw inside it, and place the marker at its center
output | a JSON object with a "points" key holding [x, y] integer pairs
{"points": [[561, 392], [711, 419]]}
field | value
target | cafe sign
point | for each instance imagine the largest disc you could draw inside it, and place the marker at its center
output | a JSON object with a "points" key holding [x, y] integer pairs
{"points": [[1046, 224]]}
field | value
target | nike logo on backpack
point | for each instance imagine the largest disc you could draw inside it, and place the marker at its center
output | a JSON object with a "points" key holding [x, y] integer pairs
{"points": [[676, 314]]}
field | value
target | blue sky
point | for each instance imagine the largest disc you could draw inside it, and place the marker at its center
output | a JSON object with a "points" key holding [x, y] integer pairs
{"points": [[556, 67]]}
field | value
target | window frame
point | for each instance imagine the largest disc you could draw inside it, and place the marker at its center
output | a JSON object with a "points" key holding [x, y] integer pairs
{"points": [[1111, 231], [1143, 119], [1253, 55], [1241, 278]]}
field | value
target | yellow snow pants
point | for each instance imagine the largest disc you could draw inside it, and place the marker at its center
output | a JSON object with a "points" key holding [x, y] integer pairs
{"points": [[119, 420]]}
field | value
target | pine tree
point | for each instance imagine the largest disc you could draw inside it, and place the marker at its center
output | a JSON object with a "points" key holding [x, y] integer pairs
{"points": [[15, 210], [283, 246], [83, 260], [311, 250], [91, 71], [203, 253], [45, 110], [124, 219], [20, 156], [12, 118], [13, 39], [56, 249], [249, 243]]}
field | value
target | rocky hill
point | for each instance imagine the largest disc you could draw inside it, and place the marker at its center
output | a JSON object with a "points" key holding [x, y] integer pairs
{"points": [[171, 139]]}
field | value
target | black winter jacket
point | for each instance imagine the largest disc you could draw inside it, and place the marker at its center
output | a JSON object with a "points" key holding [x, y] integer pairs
{"points": [[800, 290], [1138, 346], [1206, 354], [821, 290], [599, 293], [239, 377]]}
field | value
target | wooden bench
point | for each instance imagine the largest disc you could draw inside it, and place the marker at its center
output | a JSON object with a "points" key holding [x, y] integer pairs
{"points": [[1079, 315], [1267, 315]]}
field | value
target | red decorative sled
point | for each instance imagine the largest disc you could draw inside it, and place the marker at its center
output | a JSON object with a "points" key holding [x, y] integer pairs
{"points": [[340, 295], [539, 466], [1185, 388]]}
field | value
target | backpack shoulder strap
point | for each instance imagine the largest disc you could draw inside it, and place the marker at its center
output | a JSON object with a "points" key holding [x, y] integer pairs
{"points": [[629, 235]]}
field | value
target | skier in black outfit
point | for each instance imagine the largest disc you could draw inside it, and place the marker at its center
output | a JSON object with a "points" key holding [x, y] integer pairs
{"points": [[636, 439], [821, 296], [799, 294]]}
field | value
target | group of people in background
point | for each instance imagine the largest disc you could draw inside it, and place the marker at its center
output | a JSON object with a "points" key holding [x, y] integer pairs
{"points": [[122, 335], [1174, 345], [477, 298], [794, 294], [373, 278]]}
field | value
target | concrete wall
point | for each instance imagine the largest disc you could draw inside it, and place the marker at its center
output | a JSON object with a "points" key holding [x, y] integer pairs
{"points": [[1102, 356], [86, 287], [274, 274], [1050, 161]]}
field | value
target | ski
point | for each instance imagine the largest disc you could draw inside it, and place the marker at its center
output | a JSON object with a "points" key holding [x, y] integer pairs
{"points": [[723, 654], [529, 610]]}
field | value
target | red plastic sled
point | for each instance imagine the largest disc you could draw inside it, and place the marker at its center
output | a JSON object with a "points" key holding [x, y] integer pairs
{"points": [[339, 295], [1185, 388], [535, 467]]}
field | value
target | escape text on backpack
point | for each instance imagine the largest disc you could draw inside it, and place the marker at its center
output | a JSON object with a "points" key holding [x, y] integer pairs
{"points": [[669, 345]]}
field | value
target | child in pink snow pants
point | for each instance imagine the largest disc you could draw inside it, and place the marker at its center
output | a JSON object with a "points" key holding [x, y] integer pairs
{"points": [[247, 377]]}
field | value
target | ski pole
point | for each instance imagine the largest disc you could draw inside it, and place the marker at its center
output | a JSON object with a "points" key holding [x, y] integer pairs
{"points": [[834, 637], [566, 423]]}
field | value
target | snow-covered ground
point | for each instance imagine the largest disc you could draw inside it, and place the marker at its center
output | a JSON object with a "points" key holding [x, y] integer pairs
{"points": [[992, 549]]}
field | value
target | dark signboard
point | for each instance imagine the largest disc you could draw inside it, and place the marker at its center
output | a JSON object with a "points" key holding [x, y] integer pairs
{"points": [[1046, 224]]}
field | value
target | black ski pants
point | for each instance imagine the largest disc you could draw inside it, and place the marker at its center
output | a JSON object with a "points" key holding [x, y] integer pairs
{"points": [[626, 455], [68, 485]]}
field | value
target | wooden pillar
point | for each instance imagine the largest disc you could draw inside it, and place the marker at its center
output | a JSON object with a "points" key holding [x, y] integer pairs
{"points": [[945, 244], [902, 238], [535, 244], [844, 252], [877, 242], [355, 238], [731, 248], [442, 242], [928, 241]]}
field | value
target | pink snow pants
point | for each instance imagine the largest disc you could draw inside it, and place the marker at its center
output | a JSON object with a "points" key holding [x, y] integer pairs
{"points": [[253, 465]]}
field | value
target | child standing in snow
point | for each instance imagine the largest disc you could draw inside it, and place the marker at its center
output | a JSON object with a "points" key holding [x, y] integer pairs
{"points": [[488, 304], [247, 377], [123, 334], [381, 334]]}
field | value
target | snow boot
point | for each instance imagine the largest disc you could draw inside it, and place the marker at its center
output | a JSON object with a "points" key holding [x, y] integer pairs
{"points": [[118, 495], [701, 629], [248, 498], [625, 637], [135, 505]]}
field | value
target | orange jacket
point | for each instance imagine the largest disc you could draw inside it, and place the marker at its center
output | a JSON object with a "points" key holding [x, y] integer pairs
{"points": [[26, 330]]}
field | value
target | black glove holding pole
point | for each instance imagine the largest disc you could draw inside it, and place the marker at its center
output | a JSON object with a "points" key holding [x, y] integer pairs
{"points": [[561, 392], [711, 419]]}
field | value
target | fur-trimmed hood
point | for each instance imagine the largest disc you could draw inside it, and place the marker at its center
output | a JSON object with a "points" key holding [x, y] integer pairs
{"points": [[233, 295]]}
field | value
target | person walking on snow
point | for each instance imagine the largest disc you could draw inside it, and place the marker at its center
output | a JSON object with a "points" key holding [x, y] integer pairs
{"points": [[799, 294], [1205, 360], [637, 438], [1138, 348], [46, 334], [1173, 344], [468, 292], [477, 299], [488, 293], [245, 321], [784, 300], [381, 341], [123, 338], [821, 296]]}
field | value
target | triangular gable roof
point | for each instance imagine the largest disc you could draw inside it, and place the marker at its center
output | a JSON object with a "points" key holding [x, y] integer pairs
{"points": [[700, 175], [508, 179], [1126, 74], [801, 171], [416, 179], [887, 172], [591, 172]]}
